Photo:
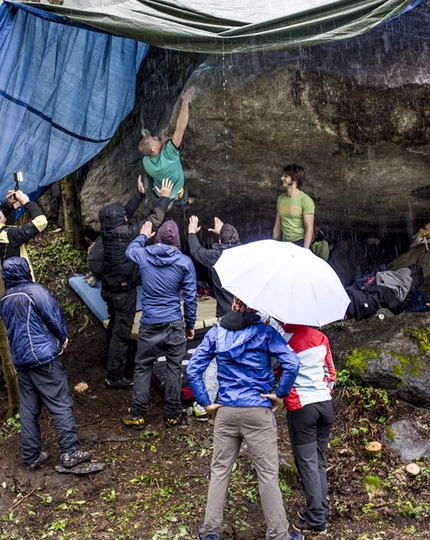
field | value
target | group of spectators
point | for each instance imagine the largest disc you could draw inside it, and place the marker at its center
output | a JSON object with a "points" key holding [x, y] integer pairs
{"points": [[238, 351]]}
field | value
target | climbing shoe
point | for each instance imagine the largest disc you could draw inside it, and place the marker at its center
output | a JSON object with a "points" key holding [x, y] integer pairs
{"points": [[42, 457], [199, 412], [136, 422], [78, 456], [172, 422], [120, 384], [304, 527]]}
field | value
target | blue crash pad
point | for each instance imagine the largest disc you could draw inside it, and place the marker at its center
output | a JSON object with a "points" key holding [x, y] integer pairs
{"points": [[92, 296]]}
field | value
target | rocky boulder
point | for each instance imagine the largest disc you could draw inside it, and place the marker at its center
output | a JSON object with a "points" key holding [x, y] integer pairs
{"points": [[354, 113], [391, 353]]}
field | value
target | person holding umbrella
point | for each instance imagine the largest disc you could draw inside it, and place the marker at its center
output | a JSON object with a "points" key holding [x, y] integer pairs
{"points": [[243, 347]]}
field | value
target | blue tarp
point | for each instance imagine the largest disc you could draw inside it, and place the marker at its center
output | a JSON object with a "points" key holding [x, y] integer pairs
{"points": [[63, 92]]}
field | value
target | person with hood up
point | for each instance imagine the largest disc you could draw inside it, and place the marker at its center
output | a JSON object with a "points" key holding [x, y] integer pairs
{"points": [[243, 346], [37, 335], [165, 273], [120, 276]]}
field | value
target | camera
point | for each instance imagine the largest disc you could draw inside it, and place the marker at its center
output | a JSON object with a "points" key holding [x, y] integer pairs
{"points": [[18, 179]]}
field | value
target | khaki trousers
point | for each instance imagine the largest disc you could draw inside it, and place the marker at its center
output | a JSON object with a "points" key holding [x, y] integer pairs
{"points": [[257, 426]]}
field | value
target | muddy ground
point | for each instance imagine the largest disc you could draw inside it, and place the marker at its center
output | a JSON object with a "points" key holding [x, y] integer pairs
{"points": [[155, 481]]}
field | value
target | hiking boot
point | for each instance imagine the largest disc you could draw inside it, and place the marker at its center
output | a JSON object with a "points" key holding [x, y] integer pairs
{"points": [[136, 422], [302, 526], [199, 412], [70, 460], [42, 457], [210, 537], [296, 536], [120, 384], [172, 422]]}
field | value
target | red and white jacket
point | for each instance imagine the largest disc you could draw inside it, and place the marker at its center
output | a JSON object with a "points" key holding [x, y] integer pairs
{"points": [[317, 374]]}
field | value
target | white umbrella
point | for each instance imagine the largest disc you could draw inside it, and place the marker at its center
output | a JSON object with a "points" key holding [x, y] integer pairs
{"points": [[284, 280]]}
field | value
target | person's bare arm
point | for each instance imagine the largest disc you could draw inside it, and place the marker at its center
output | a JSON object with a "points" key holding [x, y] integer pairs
{"points": [[308, 222], [276, 235], [182, 120], [140, 187]]}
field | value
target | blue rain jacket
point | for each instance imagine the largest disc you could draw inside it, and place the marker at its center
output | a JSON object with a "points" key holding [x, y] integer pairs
{"points": [[164, 271], [244, 367], [35, 323]]}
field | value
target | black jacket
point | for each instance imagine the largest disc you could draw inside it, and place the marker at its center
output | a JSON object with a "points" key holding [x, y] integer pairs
{"points": [[118, 272], [208, 257]]}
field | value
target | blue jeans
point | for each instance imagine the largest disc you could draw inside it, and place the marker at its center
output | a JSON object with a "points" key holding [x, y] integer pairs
{"points": [[48, 385], [154, 340]]}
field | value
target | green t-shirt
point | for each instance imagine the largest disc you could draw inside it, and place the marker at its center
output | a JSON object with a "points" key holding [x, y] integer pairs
{"points": [[166, 164], [291, 211]]}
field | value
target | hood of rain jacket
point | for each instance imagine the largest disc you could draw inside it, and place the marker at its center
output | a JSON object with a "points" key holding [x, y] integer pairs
{"points": [[35, 323]]}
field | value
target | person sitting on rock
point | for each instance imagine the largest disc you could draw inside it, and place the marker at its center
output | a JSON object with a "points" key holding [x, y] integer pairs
{"points": [[37, 334], [162, 158]]}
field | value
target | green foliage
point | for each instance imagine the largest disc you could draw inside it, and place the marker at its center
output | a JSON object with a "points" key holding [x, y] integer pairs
{"points": [[10, 428], [421, 336], [410, 509], [59, 257], [344, 378]]}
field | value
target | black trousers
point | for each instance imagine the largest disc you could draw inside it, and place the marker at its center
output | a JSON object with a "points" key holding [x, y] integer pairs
{"points": [[121, 308], [309, 429], [46, 385]]}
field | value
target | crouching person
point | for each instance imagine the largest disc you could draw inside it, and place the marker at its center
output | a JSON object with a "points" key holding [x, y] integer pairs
{"points": [[38, 337], [243, 347]]}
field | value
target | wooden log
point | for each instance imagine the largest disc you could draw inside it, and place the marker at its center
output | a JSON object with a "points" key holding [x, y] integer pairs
{"points": [[373, 449], [413, 469]]}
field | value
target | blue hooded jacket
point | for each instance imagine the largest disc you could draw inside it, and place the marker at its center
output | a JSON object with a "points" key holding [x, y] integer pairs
{"points": [[244, 365], [164, 271], [35, 323]]}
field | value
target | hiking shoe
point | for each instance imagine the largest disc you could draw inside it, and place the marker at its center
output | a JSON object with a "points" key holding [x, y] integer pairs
{"points": [[296, 536], [210, 537], [199, 412], [70, 460], [121, 383], [42, 457], [302, 526], [136, 422], [172, 422]]}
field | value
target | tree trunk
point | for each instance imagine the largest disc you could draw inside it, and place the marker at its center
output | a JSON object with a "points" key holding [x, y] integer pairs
{"points": [[10, 375], [72, 214]]}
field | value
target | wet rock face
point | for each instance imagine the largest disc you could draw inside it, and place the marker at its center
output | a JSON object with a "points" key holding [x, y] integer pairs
{"points": [[355, 114]]}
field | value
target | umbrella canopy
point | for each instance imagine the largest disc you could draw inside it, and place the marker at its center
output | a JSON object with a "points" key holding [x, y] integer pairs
{"points": [[288, 282]]}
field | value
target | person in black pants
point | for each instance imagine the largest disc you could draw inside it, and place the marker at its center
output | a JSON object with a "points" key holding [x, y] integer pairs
{"points": [[120, 276]]}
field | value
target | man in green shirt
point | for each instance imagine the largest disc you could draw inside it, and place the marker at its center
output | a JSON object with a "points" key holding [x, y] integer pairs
{"points": [[162, 158], [295, 210]]}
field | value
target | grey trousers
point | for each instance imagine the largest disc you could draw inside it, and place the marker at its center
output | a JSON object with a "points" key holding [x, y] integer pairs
{"points": [[257, 426], [309, 429], [153, 340], [48, 385]]}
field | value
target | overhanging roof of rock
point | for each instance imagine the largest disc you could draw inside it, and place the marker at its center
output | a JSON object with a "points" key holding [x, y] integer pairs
{"points": [[221, 26]]}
